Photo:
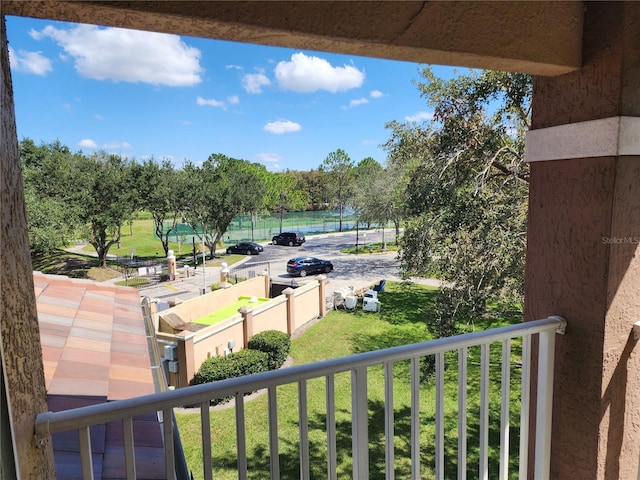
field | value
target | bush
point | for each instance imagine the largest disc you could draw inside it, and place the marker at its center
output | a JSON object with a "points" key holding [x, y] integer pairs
{"points": [[237, 364], [275, 344]]}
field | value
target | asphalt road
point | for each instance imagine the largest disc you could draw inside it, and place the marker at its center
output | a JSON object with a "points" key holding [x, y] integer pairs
{"points": [[357, 271]]}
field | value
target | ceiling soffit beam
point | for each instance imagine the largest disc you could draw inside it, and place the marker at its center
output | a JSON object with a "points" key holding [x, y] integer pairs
{"points": [[540, 38]]}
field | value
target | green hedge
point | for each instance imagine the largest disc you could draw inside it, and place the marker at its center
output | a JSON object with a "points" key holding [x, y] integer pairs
{"points": [[275, 343], [267, 350], [236, 364]]}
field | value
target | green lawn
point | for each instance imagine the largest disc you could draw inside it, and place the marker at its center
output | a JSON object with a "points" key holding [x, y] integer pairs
{"points": [[138, 239], [372, 248], [228, 311], [401, 321]]}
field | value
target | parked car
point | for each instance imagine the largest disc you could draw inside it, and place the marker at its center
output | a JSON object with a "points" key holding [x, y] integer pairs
{"points": [[302, 266], [247, 248], [289, 238]]}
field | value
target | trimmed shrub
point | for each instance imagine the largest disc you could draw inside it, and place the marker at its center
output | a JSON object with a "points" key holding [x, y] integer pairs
{"points": [[236, 364], [275, 343]]}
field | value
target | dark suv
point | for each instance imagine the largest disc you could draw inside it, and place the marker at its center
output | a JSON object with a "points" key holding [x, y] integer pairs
{"points": [[288, 238]]}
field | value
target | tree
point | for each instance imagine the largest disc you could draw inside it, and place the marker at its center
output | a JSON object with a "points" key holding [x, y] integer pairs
{"points": [[219, 190], [467, 197], [105, 193], [52, 214], [339, 168], [158, 191], [365, 174], [287, 195]]}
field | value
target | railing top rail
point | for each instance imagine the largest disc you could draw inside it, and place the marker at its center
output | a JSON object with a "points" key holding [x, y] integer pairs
{"points": [[51, 422]]}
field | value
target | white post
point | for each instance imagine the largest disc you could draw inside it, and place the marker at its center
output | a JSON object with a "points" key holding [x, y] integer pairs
{"points": [[359, 423], [544, 404]]}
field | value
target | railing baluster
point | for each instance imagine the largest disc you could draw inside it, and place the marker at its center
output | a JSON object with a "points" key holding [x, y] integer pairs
{"points": [[163, 403], [525, 402], [504, 410], [129, 449], [440, 416], [273, 433], [546, 352], [484, 411], [331, 429], [84, 437], [241, 437], [303, 420], [415, 418], [169, 451], [205, 427], [462, 413], [389, 431], [360, 423]]}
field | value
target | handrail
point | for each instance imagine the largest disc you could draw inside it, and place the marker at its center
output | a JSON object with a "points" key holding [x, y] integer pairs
{"points": [[83, 417]]}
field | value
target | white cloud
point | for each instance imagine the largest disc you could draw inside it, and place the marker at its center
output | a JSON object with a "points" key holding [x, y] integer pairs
{"points": [[87, 143], [358, 101], [305, 74], [268, 157], [210, 102], [271, 160], [235, 67], [116, 145], [29, 62], [99, 117], [419, 117], [128, 55], [233, 99], [282, 126], [253, 82], [376, 94]]}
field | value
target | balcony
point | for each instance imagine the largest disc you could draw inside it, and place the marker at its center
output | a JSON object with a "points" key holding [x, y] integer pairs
{"points": [[445, 351]]}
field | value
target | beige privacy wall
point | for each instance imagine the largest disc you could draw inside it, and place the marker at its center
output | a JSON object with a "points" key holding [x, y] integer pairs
{"points": [[286, 313]]}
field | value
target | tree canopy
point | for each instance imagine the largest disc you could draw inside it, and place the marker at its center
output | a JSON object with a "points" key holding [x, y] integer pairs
{"points": [[339, 169], [467, 195]]}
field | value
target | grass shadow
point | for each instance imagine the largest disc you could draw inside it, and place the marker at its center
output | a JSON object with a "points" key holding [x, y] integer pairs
{"points": [[64, 263], [406, 303]]}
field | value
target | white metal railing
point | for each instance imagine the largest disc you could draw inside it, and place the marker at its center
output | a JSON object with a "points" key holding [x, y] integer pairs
{"points": [[81, 419]]}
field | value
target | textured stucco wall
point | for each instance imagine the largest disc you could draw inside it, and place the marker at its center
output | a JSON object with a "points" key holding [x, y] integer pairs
{"points": [[542, 37], [584, 231], [19, 333]]}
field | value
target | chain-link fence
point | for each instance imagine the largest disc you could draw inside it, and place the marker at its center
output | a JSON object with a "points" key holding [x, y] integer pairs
{"points": [[263, 227]]}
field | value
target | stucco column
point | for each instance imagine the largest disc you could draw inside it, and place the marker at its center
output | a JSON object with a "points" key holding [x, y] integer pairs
{"points": [[322, 295], [291, 311], [267, 285], [583, 235], [19, 332], [247, 324], [186, 362]]}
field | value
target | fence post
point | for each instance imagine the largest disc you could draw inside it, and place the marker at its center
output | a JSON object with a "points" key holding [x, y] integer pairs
{"points": [[267, 285], [186, 366], [291, 319], [247, 324], [322, 279], [544, 404]]}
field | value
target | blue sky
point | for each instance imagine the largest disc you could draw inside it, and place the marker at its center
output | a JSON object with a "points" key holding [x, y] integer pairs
{"points": [[143, 94]]}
